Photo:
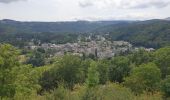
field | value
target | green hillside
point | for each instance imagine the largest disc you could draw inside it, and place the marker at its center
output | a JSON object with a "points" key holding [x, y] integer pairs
{"points": [[151, 33]]}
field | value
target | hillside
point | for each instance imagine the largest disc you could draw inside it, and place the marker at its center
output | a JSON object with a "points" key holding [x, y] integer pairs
{"points": [[60, 27], [167, 18], [151, 33]]}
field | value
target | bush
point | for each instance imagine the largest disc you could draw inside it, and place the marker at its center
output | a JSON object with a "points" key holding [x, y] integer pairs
{"points": [[108, 92]]}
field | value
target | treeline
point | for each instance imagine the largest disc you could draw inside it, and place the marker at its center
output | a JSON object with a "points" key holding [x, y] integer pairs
{"points": [[23, 39], [140, 75]]}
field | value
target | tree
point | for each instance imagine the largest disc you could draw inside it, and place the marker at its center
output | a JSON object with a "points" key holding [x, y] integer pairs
{"points": [[16, 79], [166, 86], [93, 75], [37, 58], [146, 77], [26, 82], [162, 60], [91, 56], [60, 93], [103, 70], [140, 57], [119, 68], [85, 64], [66, 70], [8, 62]]}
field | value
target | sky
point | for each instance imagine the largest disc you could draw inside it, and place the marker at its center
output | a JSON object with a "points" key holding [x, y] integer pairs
{"points": [[92, 10]]}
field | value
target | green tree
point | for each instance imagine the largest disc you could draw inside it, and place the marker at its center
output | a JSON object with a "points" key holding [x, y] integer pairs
{"points": [[66, 70], [146, 77], [17, 81], [166, 86], [162, 60], [119, 68], [93, 75], [140, 57], [85, 64], [8, 62], [60, 93], [103, 69], [37, 58], [26, 82]]}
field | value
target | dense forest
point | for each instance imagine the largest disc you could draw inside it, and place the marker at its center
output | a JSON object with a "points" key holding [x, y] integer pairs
{"points": [[140, 75], [150, 33], [22, 39]]}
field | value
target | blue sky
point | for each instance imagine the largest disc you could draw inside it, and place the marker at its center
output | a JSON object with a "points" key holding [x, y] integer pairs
{"points": [[68, 10]]}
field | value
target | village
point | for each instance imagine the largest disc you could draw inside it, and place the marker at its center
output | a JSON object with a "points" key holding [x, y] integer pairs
{"points": [[99, 47]]}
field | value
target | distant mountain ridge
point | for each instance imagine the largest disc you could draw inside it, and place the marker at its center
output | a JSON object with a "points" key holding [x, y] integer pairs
{"points": [[71, 26], [167, 18]]}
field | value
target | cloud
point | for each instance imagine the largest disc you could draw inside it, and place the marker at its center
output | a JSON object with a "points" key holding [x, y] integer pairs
{"points": [[124, 4], [85, 4], [129, 16], [9, 1], [149, 4]]}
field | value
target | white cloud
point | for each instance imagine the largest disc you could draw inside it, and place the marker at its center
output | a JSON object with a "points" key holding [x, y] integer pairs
{"points": [[9, 1], [125, 4], [125, 16], [64, 10], [85, 4]]}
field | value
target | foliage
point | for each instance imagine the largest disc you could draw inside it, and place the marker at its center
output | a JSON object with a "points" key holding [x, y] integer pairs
{"points": [[146, 77], [166, 86], [103, 70], [162, 60], [119, 68], [93, 75], [16, 80], [37, 58], [151, 33], [66, 69], [26, 82], [60, 93], [149, 96], [141, 56], [8, 62], [108, 92], [76, 78]]}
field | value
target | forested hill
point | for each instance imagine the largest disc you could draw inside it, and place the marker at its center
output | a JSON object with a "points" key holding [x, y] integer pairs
{"points": [[151, 33], [167, 18], [71, 27]]}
